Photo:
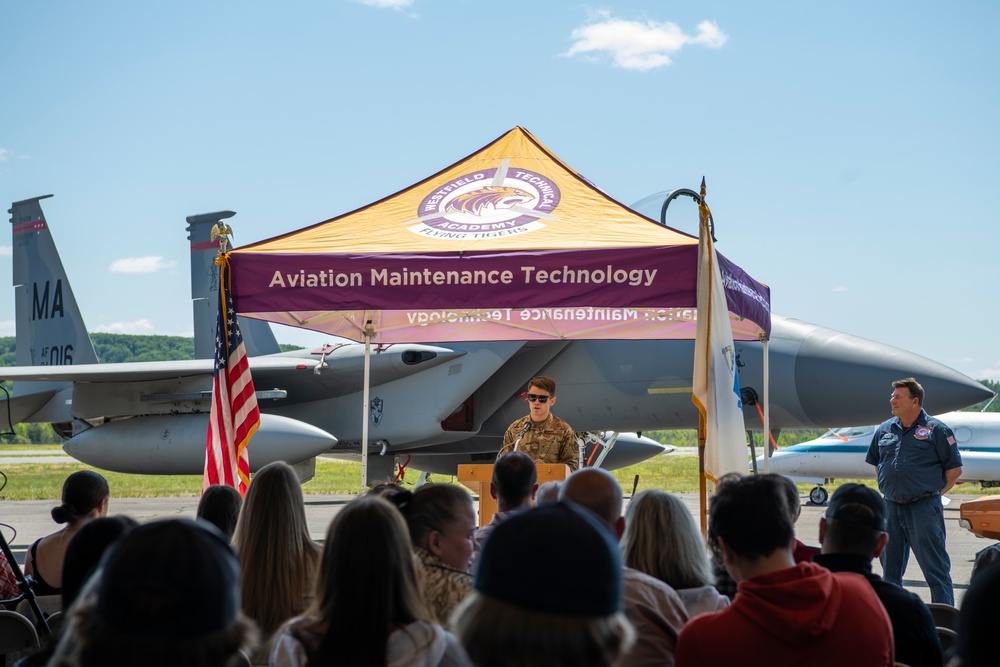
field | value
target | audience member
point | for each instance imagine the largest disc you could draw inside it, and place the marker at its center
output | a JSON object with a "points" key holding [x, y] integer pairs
{"points": [[979, 622], [9, 589], [801, 552], [220, 505], [385, 489], [662, 540], [548, 492], [85, 551], [368, 610], [84, 496], [567, 613], [167, 595], [514, 483], [442, 525], [655, 610], [785, 613], [985, 559], [851, 534], [278, 559]]}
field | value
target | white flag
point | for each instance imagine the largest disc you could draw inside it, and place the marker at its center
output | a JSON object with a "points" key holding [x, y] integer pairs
{"points": [[716, 385]]}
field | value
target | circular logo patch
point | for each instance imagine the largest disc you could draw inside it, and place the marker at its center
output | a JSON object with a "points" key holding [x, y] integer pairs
{"points": [[487, 204]]}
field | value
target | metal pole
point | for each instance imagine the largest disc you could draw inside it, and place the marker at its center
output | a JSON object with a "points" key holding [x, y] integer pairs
{"points": [[364, 412], [767, 411]]}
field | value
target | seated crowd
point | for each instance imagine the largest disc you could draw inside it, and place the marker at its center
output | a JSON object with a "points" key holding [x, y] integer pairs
{"points": [[406, 579]]}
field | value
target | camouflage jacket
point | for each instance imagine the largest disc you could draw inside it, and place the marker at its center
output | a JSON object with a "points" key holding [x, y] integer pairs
{"points": [[550, 441], [443, 586]]}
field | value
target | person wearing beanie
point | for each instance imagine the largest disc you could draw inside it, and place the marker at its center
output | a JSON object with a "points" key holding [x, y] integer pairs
{"points": [[654, 608], [567, 614], [784, 613], [84, 496], [166, 594], [851, 534]]}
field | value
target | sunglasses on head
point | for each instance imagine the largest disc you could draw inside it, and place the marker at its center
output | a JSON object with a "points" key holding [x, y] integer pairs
{"points": [[538, 397]]}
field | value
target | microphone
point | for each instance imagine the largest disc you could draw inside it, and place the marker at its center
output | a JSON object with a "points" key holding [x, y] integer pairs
{"points": [[524, 429]]}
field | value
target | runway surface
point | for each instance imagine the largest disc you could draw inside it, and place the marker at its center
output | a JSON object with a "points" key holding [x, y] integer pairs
{"points": [[31, 519]]}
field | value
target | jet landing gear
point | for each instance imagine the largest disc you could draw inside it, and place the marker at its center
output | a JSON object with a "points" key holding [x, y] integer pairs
{"points": [[818, 496]]}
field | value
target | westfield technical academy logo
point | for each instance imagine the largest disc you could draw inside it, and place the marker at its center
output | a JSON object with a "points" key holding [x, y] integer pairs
{"points": [[487, 204]]}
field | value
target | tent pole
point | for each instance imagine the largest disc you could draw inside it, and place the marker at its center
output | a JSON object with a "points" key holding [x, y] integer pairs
{"points": [[364, 412], [767, 410]]}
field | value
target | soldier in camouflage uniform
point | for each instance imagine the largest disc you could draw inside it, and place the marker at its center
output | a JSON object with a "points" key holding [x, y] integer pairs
{"points": [[541, 435], [442, 525]]}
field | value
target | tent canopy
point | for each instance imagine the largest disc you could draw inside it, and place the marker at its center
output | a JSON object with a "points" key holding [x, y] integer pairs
{"points": [[508, 243]]}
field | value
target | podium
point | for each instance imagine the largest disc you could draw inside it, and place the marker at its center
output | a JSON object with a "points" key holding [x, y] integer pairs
{"points": [[477, 477]]}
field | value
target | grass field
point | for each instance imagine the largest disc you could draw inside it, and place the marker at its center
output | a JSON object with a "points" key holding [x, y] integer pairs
{"points": [[38, 481]]}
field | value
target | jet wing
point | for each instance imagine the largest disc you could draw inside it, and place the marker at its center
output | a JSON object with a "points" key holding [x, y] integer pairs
{"points": [[304, 376]]}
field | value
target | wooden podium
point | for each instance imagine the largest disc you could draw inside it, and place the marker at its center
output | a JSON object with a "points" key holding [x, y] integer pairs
{"points": [[477, 476]]}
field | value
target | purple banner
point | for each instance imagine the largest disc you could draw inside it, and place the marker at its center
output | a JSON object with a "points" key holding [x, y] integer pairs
{"points": [[650, 277]]}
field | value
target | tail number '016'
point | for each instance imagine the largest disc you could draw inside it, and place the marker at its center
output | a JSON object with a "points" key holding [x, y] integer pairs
{"points": [[57, 355]]}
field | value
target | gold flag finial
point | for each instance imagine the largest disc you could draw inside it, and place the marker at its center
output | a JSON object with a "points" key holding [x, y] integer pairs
{"points": [[221, 231]]}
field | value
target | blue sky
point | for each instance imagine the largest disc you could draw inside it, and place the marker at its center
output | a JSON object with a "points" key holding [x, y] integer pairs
{"points": [[852, 149]]}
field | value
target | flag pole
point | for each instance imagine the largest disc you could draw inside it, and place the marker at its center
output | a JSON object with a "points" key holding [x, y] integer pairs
{"points": [[234, 416]]}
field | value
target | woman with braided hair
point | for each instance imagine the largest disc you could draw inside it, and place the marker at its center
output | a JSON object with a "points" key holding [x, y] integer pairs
{"points": [[84, 497]]}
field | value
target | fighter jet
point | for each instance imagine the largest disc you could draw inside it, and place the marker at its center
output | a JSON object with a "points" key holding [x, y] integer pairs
{"points": [[840, 454], [433, 405]]}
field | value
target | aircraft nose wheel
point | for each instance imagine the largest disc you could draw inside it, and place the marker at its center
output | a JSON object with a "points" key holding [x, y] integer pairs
{"points": [[818, 496]]}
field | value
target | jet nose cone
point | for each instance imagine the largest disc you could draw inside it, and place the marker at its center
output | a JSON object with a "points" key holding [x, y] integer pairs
{"points": [[837, 373]]}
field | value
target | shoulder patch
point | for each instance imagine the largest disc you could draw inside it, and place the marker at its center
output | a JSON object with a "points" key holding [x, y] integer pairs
{"points": [[951, 440]]}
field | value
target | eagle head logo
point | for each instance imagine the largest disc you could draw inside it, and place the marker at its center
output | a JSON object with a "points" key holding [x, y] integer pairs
{"points": [[488, 199]]}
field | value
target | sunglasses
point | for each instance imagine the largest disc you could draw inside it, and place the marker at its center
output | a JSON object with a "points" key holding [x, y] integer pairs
{"points": [[538, 397]]}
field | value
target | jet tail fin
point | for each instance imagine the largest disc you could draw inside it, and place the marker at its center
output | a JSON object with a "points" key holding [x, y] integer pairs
{"points": [[257, 335], [49, 328]]}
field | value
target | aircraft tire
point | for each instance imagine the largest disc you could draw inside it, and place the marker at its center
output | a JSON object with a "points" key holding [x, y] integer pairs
{"points": [[819, 496]]}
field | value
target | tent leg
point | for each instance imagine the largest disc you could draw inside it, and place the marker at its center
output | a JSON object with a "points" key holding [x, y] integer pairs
{"points": [[767, 411], [364, 412]]}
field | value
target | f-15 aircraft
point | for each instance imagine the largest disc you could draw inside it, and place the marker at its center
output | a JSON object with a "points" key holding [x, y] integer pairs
{"points": [[438, 405], [840, 454]]}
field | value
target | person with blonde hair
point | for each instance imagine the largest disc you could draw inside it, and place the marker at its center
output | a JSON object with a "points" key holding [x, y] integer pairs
{"points": [[85, 496], [278, 558], [442, 525], [662, 540], [368, 611]]}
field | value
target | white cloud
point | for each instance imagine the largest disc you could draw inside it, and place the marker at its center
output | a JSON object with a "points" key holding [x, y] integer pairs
{"points": [[143, 326], [6, 251], [140, 265], [987, 373], [839, 288], [640, 45], [5, 154], [398, 5], [7, 327]]}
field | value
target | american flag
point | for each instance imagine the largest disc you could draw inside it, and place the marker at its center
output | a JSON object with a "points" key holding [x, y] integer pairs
{"points": [[235, 416]]}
